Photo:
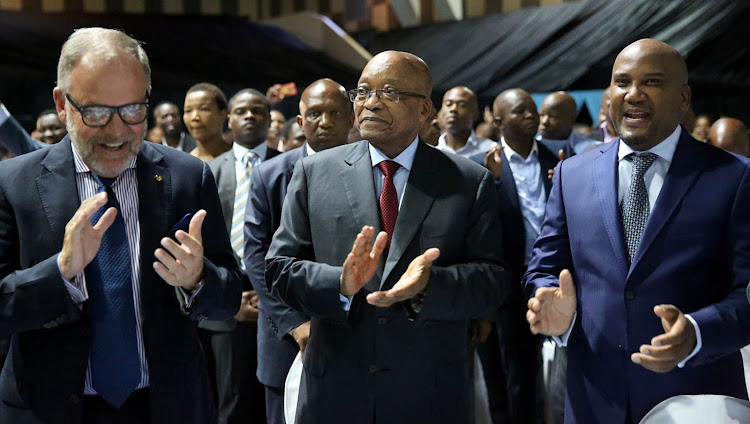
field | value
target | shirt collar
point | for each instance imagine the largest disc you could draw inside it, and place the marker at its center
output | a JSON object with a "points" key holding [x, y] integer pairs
{"points": [[239, 151], [665, 149], [472, 141], [82, 168], [309, 149], [509, 152], [405, 158]]}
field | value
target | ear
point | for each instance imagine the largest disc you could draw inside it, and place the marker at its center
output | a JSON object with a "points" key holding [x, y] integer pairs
{"points": [[59, 98], [686, 96], [299, 120], [426, 110], [497, 122]]}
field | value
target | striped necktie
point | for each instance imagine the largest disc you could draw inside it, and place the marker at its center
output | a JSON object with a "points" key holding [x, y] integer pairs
{"points": [[635, 205], [240, 201]]}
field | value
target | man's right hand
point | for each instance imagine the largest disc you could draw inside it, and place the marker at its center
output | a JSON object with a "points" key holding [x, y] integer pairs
{"points": [[301, 335], [551, 309], [493, 161], [82, 239], [362, 261]]}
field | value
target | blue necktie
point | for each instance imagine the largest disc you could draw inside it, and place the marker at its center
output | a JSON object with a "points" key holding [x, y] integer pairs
{"points": [[635, 205], [115, 364]]}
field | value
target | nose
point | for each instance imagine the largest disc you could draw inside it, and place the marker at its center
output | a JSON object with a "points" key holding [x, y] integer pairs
{"points": [[373, 100], [325, 120], [633, 94], [453, 107], [194, 116], [543, 119]]}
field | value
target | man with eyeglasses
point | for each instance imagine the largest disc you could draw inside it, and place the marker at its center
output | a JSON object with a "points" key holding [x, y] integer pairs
{"points": [[103, 258], [388, 340]]}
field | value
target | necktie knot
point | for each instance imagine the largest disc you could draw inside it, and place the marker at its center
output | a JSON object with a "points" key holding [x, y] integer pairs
{"points": [[641, 162], [248, 158], [388, 167]]}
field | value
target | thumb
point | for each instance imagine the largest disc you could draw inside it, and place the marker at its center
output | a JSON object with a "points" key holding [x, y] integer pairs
{"points": [[566, 283], [430, 255], [561, 154], [196, 224], [668, 315]]}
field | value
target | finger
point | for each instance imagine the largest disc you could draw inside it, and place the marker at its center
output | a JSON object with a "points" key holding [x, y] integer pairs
{"points": [[196, 224], [92, 204], [668, 353], [380, 242], [174, 249], [379, 299], [168, 261], [531, 317], [566, 283], [188, 242], [430, 255], [164, 273], [674, 336], [534, 304], [668, 315], [651, 363], [561, 154], [105, 221]]}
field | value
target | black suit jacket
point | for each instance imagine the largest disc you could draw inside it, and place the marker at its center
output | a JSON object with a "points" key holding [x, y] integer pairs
{"points": [[382, 365], [43, 378], [226, 182], [276, 349]]}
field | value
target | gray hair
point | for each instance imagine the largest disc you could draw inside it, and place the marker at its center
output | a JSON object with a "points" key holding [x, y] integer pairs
{"points": [[106, 44]]}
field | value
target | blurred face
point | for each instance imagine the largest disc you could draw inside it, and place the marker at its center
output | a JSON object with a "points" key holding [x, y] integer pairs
{"points": [[325, 117], [295, 139], [461, 110], [106, 150], [553, 121], [167, 118], [702, 125], [430, 130], [647, 97], [277, 125], [391, 126], [519, 119], [249, 119], [50, 129], [202, 116]]}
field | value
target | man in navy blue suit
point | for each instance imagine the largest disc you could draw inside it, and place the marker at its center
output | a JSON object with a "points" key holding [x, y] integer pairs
{"points": [[653, 229], [325, 118], [103, 262]]}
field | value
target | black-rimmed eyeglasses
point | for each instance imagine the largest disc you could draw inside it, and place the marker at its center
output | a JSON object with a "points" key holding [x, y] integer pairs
{"points": [[99, 115], [360, 95]]}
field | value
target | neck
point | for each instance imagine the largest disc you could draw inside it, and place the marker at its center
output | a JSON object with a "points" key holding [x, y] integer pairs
{"points": [[391, 149], [457, 140], [522, 147], [249, 144], [213, 146], [172, 140]]}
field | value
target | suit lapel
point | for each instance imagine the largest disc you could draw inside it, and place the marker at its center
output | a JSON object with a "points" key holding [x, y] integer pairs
{"points": [[226, 184], [419, 194], [684, 169], [57, 185], [547, 161], [359, 188], [508, 183], [605, 182]]}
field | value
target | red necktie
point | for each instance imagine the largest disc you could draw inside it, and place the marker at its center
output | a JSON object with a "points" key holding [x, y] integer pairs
{"points": [[388, 197]]}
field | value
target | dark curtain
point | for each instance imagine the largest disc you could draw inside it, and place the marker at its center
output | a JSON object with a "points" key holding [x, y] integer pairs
{"points": [[572, 46], [232, 53]]}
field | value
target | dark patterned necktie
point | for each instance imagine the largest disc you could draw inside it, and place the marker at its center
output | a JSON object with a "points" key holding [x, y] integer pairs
{"points": [[635, 205], [115, 364], [388, 198]]}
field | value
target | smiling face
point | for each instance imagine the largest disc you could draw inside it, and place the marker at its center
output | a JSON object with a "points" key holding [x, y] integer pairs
{"points": [[649, 93], [392, 126], [51, 130], [117, 81], [167, 118]]}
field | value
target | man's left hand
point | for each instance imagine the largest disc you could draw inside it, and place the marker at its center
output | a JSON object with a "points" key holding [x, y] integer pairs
{"points": [[668, 349], [183, 265], [413, 281], [248, 307]]}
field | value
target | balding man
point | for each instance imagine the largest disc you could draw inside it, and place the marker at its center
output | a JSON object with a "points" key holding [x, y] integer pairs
{"points": [[460, 110], [111, 248], [325, 118], [643, 258], [389, 340], [731, 135], [556, 119]]}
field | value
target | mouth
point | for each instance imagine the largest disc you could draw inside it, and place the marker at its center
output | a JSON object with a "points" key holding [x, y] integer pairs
{"points": [[636, 117], [112, 146], [371, 120]]}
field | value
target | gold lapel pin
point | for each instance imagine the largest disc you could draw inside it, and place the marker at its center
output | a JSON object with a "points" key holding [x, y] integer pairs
{"points": [[157, 177]]}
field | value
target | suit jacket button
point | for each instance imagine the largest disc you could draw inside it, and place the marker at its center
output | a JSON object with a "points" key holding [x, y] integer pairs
{"points": [[373, 369], [629, 295], [382, 321]]}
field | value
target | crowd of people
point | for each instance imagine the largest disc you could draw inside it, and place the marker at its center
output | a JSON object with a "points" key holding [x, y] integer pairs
{"points": [[528, 269]]}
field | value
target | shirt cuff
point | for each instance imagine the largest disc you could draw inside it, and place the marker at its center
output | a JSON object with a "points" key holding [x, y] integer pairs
{"points": [[346, 302], [562, 340], [190, 297], [77, 287], [4, 114], [698, 342]]}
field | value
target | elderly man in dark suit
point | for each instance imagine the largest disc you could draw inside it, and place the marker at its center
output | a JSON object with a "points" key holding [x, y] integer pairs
{"points": [[100, 289], [325, 118], [231, 344], [389, 341]]}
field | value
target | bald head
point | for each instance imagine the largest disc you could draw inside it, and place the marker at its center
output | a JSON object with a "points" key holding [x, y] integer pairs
{"points": [[407, 64], [731, 135], [649, 93], [557, 116], [515, 116], [325, 114]]}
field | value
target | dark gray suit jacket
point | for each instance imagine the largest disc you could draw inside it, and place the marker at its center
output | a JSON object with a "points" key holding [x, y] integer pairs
{"points": [[226, 181], [382, 365]]}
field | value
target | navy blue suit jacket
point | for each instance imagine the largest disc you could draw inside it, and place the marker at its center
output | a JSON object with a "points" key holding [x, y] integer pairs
{"points": [[694, 254], [276, 350], [43, 376], [14, 138]]}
